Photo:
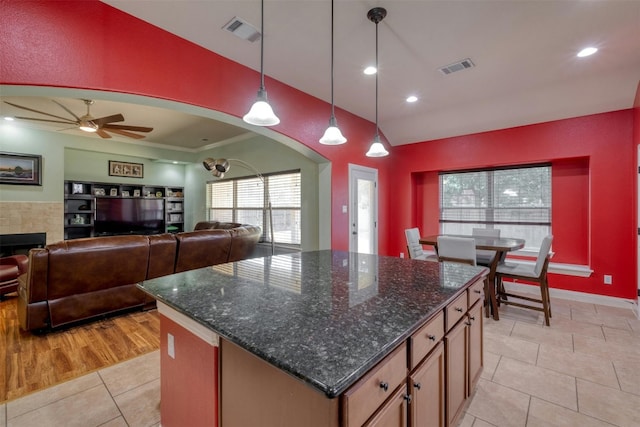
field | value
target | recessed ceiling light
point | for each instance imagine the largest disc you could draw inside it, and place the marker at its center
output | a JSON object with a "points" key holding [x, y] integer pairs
{"points": [[412, 98], [587, 51], [9, 119], [370, 70]]}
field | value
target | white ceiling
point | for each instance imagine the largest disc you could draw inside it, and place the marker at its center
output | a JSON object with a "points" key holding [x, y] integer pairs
{"points": [[524, 51]]}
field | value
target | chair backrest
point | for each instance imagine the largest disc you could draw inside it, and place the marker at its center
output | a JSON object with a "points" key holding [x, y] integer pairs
{"points": [[458, 249], [413, 243], [545, 248], [486, 232]]}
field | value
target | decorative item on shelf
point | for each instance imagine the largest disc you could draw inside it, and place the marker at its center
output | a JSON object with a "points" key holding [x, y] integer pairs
{"points": [[158, 193], [261, 113], [169, 193], [376, 15], [77, 188], [98, 192], [125, 193], [218, 167], [178, 194], [84, 207], [147, 193], [77, 220], [113, 192], [20, 169], [136, 193], [131, 170]]}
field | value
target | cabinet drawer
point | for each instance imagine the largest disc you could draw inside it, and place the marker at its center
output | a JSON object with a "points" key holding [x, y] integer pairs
{"points": [[426, 338], [456, 310], [361, 400], [476, 292]]}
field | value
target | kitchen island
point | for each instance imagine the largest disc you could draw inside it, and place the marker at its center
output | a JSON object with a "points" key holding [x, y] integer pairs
{"points": [[318, 338]]}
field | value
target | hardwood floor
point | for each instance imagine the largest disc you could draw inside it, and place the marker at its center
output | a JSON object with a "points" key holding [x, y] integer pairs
{"points": [[31, 362]]}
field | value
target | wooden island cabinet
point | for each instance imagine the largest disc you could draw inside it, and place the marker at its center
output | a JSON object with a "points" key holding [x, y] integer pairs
{"points": [[407, 353]]}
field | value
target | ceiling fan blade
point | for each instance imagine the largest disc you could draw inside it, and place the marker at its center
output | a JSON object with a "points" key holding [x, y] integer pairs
{"points": [[66, 122], [127, 127], [39, 112], [67, 110], [103, 134], [109, 119], [124, 133]]}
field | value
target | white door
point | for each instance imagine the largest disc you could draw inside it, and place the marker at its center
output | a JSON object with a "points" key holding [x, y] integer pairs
{"points": [[363, 209]]}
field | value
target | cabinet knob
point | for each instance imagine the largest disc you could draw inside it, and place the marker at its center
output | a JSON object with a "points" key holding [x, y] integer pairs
{"points": [[477, 291], [431, 337], [467, 323], [417, 385], [407, 397], [458, 309], [473, 318], [384, 386]]}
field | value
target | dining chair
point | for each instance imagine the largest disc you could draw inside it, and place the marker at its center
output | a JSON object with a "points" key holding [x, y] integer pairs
{"points": [[457, 249], [414, 248], [484, 257], [536, 273]]}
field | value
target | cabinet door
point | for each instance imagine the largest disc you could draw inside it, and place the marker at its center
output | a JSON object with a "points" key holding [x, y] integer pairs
{"points": [[456, 372], [426, 387], [393, 413], [476, 350]]}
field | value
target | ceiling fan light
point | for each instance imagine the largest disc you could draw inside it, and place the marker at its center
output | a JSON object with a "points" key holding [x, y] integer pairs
{"points": [[88, 126], [377, 149], [261, 113], [332, 136]]}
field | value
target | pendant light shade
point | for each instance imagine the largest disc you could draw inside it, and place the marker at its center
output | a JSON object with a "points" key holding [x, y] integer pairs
{"points": [[332, 136], [376, 15], [261, 113], [377, 149]]}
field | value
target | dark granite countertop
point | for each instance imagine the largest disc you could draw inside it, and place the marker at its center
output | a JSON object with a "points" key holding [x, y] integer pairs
{"points": [[325, 317]]}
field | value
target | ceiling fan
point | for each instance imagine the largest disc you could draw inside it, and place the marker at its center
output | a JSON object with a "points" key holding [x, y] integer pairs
{"points": [[88, 123]]}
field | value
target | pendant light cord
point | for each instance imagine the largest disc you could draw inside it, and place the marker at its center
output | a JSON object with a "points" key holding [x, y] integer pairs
{"points": [[377, 72], [332, 108], [262, 45]]}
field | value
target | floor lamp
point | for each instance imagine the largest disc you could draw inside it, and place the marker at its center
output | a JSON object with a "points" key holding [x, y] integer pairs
{"points": [[218, 167]]}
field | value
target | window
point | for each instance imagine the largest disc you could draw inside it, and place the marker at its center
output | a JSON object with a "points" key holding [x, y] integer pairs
{"points": [[515, 200], [245, 200]]}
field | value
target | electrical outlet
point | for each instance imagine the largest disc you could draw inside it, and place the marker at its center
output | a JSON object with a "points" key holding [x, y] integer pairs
{"points": [[608, 279], [401, 254], [171, 348]]}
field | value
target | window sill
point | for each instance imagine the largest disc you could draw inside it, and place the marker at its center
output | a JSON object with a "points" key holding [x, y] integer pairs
{"points": [[560, 268]]}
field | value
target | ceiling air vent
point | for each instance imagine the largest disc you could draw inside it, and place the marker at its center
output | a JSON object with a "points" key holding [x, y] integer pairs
{"points": [[457, 66], [242, 29]]}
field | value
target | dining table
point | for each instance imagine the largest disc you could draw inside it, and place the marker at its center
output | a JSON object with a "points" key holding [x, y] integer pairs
{"points": [[501, 246]]}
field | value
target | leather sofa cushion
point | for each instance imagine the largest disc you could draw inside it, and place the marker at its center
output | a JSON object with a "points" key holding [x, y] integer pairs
{"points": [[243, 242], [73, 263], [197, 249], [162, 255]]}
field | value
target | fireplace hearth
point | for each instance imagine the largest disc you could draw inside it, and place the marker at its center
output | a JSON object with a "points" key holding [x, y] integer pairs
{"points": [[15, 244]]}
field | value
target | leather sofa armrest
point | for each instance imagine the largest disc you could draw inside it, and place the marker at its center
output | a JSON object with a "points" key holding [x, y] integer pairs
{"points": [[35, 283]]}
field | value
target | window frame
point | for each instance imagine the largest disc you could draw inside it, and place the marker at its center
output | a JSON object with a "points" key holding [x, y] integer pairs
{"points": [[264, 208]]}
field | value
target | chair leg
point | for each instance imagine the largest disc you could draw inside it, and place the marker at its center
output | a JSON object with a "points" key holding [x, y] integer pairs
{"points": [[544, 294]]}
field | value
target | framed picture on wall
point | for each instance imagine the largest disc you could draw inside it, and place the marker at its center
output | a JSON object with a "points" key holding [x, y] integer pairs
{"points": [[130, 170], [20, 169]]}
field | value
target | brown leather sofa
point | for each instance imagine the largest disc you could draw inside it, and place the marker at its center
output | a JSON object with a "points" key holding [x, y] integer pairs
{"points": [[11, 267], [76, 280]]}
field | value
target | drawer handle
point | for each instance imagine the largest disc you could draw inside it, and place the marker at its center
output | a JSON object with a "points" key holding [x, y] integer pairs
{"points": [[407, 397], [417, 385], [384, 386], [467, 323], [473, 318], [431, 337], [477, 291], [458, 309]]}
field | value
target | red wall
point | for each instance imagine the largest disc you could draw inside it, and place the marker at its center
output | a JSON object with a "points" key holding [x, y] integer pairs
{"points": [[43, 43], [593, 160]]}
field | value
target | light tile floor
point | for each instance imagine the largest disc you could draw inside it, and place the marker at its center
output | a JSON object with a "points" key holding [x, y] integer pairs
{"points": [[582, 371]]}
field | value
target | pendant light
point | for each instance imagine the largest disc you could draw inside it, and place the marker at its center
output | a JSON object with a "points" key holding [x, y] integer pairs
{"points": [[376, 15], [332, 136], [261, 113]]}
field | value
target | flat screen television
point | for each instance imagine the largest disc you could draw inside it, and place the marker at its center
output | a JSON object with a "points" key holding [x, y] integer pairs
{"points": [[129, 216]]}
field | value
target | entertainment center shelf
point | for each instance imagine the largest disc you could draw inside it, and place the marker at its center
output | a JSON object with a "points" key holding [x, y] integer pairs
{"points": [[101, 209]]}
